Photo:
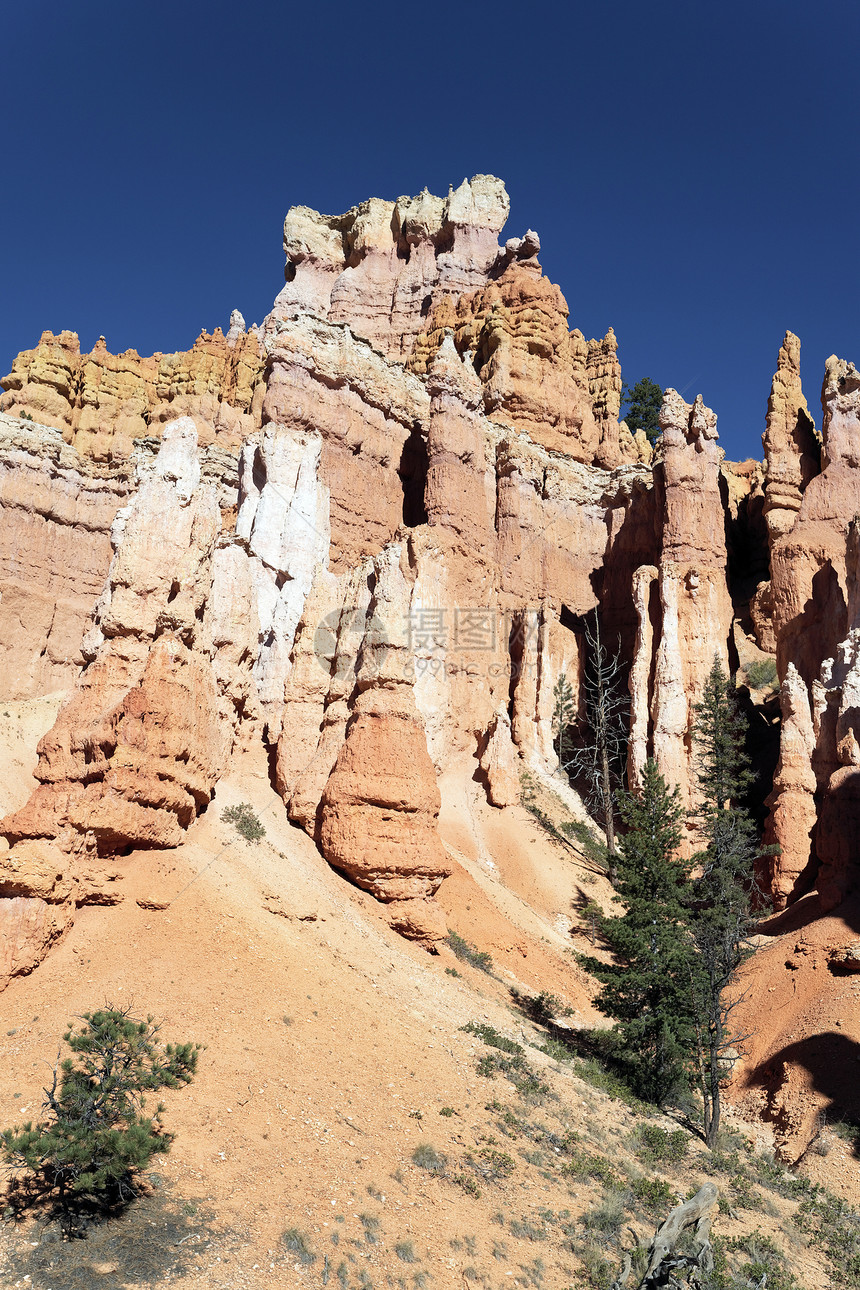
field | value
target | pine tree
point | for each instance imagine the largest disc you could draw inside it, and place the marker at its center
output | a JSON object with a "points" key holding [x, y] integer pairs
{"points": [[720, 897], [644, 401], [97, 1134], [646, 987]]}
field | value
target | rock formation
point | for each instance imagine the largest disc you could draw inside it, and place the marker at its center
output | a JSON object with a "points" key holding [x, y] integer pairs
{"points": [[813, 613], [694, 613], [362, 539], [102, 402], [380, 266]]}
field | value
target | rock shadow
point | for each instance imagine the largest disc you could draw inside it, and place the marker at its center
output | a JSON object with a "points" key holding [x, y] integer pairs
{"points": [[831, 1058]]}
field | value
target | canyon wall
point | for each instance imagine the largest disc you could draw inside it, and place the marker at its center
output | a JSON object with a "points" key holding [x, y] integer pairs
{"points": [[362, 541]]}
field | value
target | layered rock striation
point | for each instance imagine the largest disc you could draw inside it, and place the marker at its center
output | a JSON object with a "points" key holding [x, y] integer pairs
{"points": [[103, 402]]}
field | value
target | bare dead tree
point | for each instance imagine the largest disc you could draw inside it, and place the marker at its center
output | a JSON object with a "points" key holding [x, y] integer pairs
{"points": [[598, 762]]}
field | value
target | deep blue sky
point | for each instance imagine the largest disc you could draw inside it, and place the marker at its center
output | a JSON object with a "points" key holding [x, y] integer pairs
{"points": [[692, 168]]}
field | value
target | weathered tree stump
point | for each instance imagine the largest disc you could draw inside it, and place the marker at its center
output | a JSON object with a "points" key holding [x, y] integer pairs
{"points": [[664, 1267]]}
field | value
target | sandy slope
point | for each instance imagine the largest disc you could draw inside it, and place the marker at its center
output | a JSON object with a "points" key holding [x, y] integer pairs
{"points": [[331, 1048]]}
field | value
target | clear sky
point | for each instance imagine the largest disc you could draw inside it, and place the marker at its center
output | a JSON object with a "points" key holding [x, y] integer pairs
{"points": [[691, 168]]}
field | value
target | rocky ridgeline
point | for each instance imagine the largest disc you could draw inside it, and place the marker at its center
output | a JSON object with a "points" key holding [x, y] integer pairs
{"points": [[362, 538]]}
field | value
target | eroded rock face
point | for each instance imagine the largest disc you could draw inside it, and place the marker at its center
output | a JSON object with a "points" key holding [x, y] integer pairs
{"points": [[695, 610], [102, 402], [792, 450], [815, 617], [56, 511], [138, 746], [381, 801], [532, 370], [381, 265], [369, 414], [376, 568]]}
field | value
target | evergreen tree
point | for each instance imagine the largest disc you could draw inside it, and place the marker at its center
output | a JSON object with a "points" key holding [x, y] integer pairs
{"points": [[720, 897], [646, 987], [97, 1134], [644, 401]]}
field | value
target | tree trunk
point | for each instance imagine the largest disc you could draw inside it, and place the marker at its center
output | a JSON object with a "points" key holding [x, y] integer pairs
{"points": [[609, 814]]}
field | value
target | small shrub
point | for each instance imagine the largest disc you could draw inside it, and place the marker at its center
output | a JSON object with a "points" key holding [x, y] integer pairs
{"points": [[496, 1164], [405, 1252], [655, 1195], [656, 1146], [597, 1272], [297, 1243], [557, 1050], [427, 1157], [492, 1038], [26, 416], [469, 954], [447, 1111], [245, 821], [606, 1217], [762, 673], [593, 850], [593, 1072], [469, 1184], [582, 1164], [763, 1262], [525, 1230], [370, 1223], [744, 1194], [453, 972]]}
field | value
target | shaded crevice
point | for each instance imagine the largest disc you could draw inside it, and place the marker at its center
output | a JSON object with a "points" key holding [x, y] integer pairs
{"points": [[414, 463]]}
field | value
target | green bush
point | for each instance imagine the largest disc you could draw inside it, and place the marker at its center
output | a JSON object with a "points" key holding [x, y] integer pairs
{"points": [[606, 1217], [492, 1037], [97, 1135], [761, 673], [656, 1146], [655, 1195], [582, 1164], [245, 821], [468, 954]]}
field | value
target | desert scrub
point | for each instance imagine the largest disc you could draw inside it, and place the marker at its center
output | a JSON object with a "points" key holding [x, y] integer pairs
{"points": [[593, 1072], [469, 954], [425, 1156], [493, 1164], [654, 1195], [370, 1223], [761, 1263], [405, 1252], [655, 1146], [830, 1224], [582, 1164], [492, 1037], [245, 821], [296, 1242], [525, 1230], [604, 1220], [597, 1272], [514, 1067]]}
